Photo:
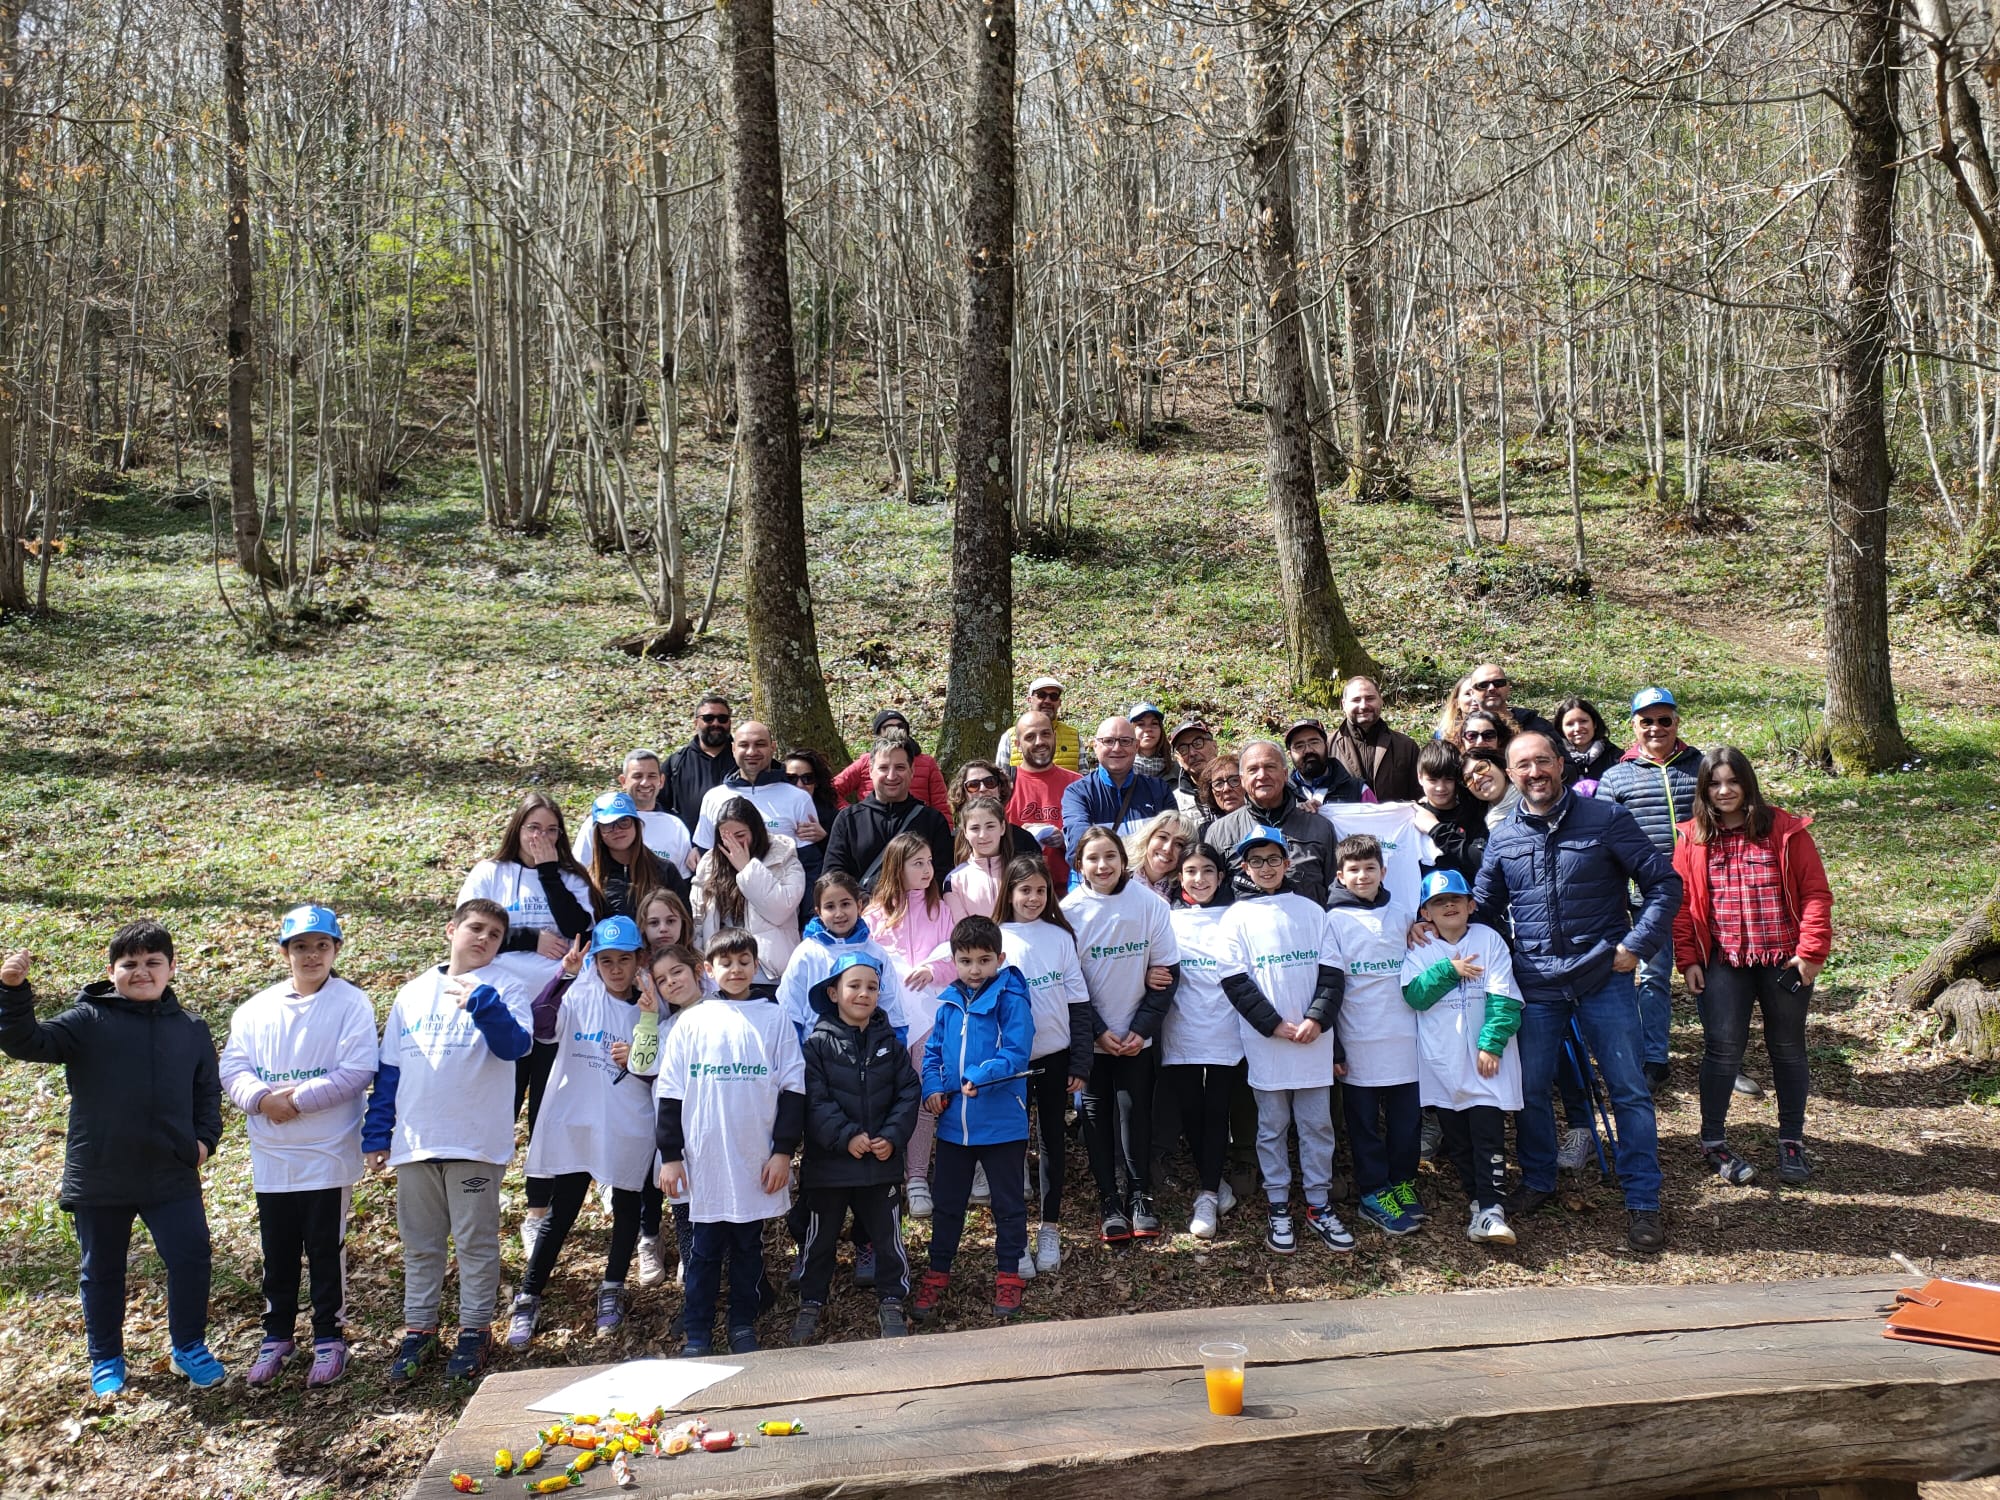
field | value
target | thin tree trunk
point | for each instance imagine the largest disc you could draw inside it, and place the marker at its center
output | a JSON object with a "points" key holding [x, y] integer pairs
{"points": [[13, 509], [1370, 475], [1862, 733], [246, 515], [981, 687], [786, 683], [1322, 647]]}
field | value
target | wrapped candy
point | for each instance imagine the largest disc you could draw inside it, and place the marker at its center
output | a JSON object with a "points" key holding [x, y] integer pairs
{"points": [[531, 1460], [721, 1440], [621, 1472], [465, 1484], [503, 1463], [789, 1427], [553, 1484]]}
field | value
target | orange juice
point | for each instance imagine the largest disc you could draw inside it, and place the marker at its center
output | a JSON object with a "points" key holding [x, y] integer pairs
{"points": [[1225, 1392]]}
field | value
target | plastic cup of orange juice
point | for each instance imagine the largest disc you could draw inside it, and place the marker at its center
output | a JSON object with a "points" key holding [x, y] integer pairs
{"points": [[1223, 1365]]}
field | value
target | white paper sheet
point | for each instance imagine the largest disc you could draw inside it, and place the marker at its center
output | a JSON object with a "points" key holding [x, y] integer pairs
{"points": [[637, 1385]]}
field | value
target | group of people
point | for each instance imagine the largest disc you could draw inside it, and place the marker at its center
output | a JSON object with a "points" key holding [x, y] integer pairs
{"points": [[751, 987]]}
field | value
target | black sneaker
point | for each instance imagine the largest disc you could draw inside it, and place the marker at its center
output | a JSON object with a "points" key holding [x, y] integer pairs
{"points": [[864, 1266], [1644, 1232], [743, 1341], [419, 1346], [1658, 1075], [889, 1318], [806, 1324], [1727, 1165], [1793, 1166], [797, 1273], [1525, 1200], [1145, 1222], [1117, 1228], [1279, 1237], [468, 1358]]}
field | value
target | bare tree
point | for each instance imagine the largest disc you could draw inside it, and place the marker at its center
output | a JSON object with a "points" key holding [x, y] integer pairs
{"points": [[246, 512]]}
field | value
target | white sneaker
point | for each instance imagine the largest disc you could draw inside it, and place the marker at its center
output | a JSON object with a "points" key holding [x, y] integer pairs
{"points": [[652, 1260], [604, 1198], [981, 1193], [917, 1198], [1207, 1209], [1048, 1248], [1026, 1270], [1228, 1197], [1574, 1150], [1489, 1226], [531, 1230]]}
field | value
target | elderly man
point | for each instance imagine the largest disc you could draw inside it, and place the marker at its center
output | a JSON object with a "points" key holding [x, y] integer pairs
{"points": [[1036, 802], [1316, 777], [1114, 795], [1377, 756], [1193, 746], [1654, 781], [1045, 695], [1491, 682], [701, 763], [1271, 801], [1555, 877], [861, 833]]}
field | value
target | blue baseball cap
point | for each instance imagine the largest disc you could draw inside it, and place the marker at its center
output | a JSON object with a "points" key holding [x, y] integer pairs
{"points": [[301, 920], [848, 961], [612, 806], [616, 935], [1442, 883], [1258, 836], [1653, 697], [1139, 711]]}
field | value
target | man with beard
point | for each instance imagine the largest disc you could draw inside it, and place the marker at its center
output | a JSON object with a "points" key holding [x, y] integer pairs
{"points": [[1273, 802], [1493, 686], [786, 808], [701, 763], [1045, 695], [1315, 777], [1116, 795], [861, 833], [1377, 756], [1037, 800], [1193, 747]]}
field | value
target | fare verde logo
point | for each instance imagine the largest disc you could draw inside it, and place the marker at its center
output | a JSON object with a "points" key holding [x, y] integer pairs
{"points": [[1115, 950], [287, 1075], [1375, 966], [1286, 959], [728, 1070]]}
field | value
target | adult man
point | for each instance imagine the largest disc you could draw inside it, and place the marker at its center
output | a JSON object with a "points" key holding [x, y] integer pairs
{"points": [[1045, 696], [1036, 801], [1493, 685], [1193, 747], [1654, 781], [1115, 795], [787, 809], [1270, 801], [861, 834], [701, 762], [1555, 876], [641, 778], [1377, 756], [1315, 777]]}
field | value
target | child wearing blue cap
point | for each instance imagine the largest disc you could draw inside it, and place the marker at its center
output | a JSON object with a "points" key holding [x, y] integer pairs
{"points": [[862, 1097], [597, 1116], [1460, 981], [299, 1058]]}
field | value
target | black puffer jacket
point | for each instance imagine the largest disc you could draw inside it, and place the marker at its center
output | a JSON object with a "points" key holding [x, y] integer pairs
{"points": [[144, 1092], [856, 1081]]}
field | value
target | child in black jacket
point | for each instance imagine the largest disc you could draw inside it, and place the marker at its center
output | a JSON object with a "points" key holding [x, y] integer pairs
{"points": [[145, 1115], [862, 1096]]}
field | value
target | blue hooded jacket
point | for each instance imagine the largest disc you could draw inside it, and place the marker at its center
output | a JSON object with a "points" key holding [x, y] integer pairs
{"points": [[978, 1038]]}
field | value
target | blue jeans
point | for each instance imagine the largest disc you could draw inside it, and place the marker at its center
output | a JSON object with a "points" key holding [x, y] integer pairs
{"points": [[180, 1234], [1385, 1126], [1656, 1001], [742, 1245], [1612, 1029]]}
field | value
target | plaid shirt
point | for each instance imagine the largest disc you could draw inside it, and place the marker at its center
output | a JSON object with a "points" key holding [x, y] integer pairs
{"points": [[1752, 923]]}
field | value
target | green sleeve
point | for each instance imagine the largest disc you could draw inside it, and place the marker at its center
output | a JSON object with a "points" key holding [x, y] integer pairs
{"points": [[1431, 986], [1503, 1019], [645, 1054]]}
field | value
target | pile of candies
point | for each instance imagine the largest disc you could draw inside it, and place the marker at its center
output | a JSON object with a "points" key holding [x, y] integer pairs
{"points": [[614, 1441]]}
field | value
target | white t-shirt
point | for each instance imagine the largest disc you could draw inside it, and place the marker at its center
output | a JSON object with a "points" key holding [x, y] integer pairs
{"points": [[668, 1020], [814, 959], [455, 1100], [661, 832], [784, 805], [592, 1120], [1202, 1027], [519, 889], [288, 1039], [1377, 1030], [1393, 826], [727, 1061], [1046, 957], [1118, 938], [1280, 941], [1448, 1033]]}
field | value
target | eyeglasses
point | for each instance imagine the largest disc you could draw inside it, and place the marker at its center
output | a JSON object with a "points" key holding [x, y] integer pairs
{"points": [[1263, 861], [801, 778], [1666, 723], [982, 784], [715, 718], [1479, 736], [1116, 739], [1489, 684], [1227, 781], [1194, 737]]}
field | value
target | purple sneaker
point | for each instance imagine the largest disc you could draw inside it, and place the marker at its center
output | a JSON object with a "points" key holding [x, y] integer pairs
{"points": [[610, 1308], [271, 1357], [329, 1361]]}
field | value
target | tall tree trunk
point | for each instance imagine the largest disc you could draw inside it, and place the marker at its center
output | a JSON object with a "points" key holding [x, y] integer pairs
{"points": [[1370, 474], [981, 688], [13, 505], [1321, 645], [786, 684], [246, 515], [1861, 732]]}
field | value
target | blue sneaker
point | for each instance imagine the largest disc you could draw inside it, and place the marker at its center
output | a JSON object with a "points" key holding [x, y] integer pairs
{"points": [[1412, 1206], [1385, 1211], [201, 1368], [107, 1376]]}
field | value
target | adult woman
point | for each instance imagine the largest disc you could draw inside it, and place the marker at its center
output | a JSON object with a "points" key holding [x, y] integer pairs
{"points": [[1154, 850], [1485, 776], [1218, 789], [982, 778], [751, 879], [1754, 929], [808, 771], [1149, 727], [621, 866], [1486, 729], [1463, 700], [1587, 749]]}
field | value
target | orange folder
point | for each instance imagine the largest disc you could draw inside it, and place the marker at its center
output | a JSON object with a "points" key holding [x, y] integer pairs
{"points": [[1957, 1314]]}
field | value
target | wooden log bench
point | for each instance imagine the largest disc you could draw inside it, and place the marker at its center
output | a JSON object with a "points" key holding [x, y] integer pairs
{"points": [[1778, 1388]]}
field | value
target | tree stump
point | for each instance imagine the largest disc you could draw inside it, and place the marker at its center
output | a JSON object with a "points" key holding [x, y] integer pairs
{"points": [[1960, 979], [1974, 1012]]}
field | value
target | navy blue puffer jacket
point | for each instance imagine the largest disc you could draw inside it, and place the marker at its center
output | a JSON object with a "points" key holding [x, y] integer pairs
{"points": [[1659, 796], [1557, 884]]}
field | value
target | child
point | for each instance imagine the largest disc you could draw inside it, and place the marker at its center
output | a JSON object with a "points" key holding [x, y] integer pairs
{"points": [[1452, 822], [1462, 983], [301, 1055], [1284, 977], [1131, 966], [1201, 1044], [909, 920], [145, 1114], [1035, 937], [597, 1117], [976, 1088], [981, 844], [643, 778], [861, 1106], [731, 1113], [440, 1117], [664, 920], [1378, 1037], [676, 974], [622, 864]]}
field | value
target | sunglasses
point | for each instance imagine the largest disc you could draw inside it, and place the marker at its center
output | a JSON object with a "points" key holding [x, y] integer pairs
{"points": [[981, 784], [715, 718], [1479, 736], [1489, 684], [801, 778], [1666, 723]]}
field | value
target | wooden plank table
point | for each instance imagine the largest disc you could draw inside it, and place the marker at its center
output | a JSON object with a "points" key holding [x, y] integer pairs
{"points": [[1549, 1392]]}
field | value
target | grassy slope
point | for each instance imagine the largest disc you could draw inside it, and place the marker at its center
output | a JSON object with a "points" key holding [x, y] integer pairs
{"points": [[147, 763]]}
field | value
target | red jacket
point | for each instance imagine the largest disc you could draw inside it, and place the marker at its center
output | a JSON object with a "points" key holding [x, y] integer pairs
{"points": [[1807, 895], [926, 784]]}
